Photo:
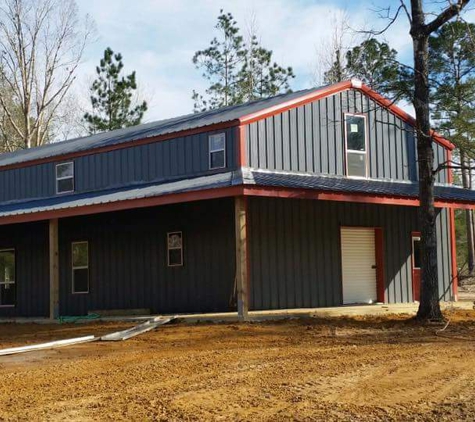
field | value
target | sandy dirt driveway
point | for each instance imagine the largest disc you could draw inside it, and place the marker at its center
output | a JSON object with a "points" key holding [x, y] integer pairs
{"points": [[371, 369]]}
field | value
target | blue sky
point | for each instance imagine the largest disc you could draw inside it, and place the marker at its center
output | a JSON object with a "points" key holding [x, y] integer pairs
{"points": [[157, 38]]}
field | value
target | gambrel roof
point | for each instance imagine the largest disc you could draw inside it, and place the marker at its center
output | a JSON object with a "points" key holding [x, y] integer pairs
{"points": [[219, 118]]}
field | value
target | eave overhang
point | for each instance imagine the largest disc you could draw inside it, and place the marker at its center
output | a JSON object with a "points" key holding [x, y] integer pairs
{"points": [[246, 182]]}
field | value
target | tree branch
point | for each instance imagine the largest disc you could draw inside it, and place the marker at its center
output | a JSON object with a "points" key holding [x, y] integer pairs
{"points": [[450, 12]]}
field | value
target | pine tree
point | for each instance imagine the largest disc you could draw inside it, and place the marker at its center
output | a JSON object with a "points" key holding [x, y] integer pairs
{"points": [[452, 60], [112, 97], [237, 72], [259, 76], [337, 72], [376, 64], [221, 63]]}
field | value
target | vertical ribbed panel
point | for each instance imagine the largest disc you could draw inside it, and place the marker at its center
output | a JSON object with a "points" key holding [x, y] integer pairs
{"points": [[178, 157], [30, 242], [128, 259], [295, 250], [310, 138]]}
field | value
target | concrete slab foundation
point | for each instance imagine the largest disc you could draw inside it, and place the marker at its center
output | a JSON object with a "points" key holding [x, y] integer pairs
{"points": [[338, 311]]}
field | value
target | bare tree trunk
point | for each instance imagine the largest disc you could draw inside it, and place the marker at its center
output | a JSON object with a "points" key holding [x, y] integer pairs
{"points": [[429, 308], [41, 45]]}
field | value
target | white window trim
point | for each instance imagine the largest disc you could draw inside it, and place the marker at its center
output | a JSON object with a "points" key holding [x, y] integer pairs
{"points": [[211, 151], [174, 249], [64, 178], [14, 282], [352, 151], [414, 238], [82, 267]]}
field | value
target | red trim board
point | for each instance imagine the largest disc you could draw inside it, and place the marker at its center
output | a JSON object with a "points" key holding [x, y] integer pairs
{"points": [[123, 145], [249, 190], [270, 111], [125, 205], [453, 239]]}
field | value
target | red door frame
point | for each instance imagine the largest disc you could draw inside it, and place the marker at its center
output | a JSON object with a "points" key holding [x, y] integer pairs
{"points": [[415, 272], [379, 258]]}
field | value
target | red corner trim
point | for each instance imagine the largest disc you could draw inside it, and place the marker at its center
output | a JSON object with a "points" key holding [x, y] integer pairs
{"points": [[241, 146], [450, 174], [453, 253], [453, 241]]}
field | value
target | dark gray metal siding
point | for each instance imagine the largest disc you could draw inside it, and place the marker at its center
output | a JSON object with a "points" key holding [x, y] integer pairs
{"points": [[30, 242], [310, 138], [174, 158], [295, 250], [128, 259]]}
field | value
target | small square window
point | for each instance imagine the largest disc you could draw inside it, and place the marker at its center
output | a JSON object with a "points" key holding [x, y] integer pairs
{"points": [[175, 249], [65, 177], [80, 265], [217, 151]]}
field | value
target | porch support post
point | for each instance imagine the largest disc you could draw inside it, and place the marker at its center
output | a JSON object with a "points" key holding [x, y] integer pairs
{"points": [[242, 276], [53, 269]]}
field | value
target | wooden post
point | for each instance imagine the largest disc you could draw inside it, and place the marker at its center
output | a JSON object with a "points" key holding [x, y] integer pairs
{"points": [[241, 256], [53, 269]]}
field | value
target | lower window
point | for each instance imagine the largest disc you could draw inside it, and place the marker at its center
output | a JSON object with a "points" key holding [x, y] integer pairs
{"points": [[175, 249], [7, 278], [80, 261]]}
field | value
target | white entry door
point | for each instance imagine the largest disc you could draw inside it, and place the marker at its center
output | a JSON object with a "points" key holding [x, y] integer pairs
{"points": [[358, 257]]}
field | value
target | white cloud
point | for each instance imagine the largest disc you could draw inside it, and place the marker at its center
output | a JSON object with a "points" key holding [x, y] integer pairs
{"points": [[158, 38]]}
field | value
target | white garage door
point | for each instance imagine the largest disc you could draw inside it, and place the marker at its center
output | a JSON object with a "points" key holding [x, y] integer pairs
{"points": [[358, 265]]}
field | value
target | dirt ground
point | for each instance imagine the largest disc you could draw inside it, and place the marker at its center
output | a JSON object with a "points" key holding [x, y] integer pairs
{"points": [[314, 369]]}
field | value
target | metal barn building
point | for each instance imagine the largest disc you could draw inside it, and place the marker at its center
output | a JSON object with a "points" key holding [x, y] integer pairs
{"points": [[306, 199]]}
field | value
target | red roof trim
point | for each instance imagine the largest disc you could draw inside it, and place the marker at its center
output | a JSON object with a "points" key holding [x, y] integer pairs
{"points": [[402, 114], [274, 192], [349, 197], [335, 89], [123, 145], [296, 102], [271, 111], [174, 198]]}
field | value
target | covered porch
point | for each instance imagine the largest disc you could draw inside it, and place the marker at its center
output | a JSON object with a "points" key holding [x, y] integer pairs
{"points": [[261, 205]]}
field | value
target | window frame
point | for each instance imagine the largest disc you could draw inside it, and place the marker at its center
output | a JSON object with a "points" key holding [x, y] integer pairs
{"points": [[73, 291], [174, 249], [64, 178], [414, 237], [366, 143], [211, 151], [14, 283]]}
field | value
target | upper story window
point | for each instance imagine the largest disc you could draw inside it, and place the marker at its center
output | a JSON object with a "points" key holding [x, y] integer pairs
{"points": [[65, 177], [217, 151], [356, 145]]}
